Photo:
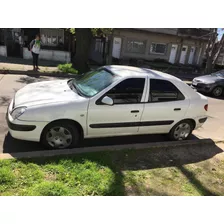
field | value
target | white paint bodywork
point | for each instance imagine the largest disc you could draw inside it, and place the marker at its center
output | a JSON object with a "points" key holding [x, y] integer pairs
{"points": [[53, 100]]}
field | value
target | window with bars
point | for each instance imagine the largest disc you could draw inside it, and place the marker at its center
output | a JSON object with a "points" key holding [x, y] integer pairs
{"points": [[157, 48], [52, 37], [136, 46]]}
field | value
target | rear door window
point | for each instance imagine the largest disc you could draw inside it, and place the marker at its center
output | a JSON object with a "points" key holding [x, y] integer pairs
{"points": [[164, 91]]}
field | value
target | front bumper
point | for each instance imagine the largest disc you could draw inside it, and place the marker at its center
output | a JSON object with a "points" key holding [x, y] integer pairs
{"points": [[202, 87], [24, 130], [19, 127]]}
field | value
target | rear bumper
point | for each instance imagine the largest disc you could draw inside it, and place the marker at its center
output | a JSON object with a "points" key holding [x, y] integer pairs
{"points": [[200, 121]]}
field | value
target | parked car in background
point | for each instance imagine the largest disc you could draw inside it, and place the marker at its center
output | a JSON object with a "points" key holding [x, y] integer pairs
{"points": [[212, 84], [110, 101]]}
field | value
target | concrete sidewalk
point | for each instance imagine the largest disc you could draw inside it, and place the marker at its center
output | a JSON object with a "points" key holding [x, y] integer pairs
{"points": [[7, 67]]}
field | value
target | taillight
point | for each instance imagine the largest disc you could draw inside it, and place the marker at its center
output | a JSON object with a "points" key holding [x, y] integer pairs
{"points": [[206, 107]]}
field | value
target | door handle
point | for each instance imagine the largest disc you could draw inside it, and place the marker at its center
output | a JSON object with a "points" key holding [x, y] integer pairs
{"points": [[134, 111], [177, 109]]}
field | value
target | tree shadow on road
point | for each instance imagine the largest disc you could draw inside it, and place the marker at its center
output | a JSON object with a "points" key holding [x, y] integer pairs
{"points": [[28, 80], [4, 100]]}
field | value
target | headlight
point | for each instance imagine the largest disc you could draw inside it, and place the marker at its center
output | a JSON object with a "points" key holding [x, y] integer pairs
{"points": [[18, 112]]}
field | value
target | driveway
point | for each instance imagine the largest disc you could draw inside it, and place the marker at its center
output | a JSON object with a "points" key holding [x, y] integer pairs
{"points": [[9, 84]]}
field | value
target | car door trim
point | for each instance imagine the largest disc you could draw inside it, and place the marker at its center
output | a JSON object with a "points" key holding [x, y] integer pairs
{"points": [[131, 124]]}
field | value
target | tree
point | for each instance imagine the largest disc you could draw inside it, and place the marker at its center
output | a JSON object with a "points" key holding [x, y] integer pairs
{"points": [[83, 43], [213, 50]]}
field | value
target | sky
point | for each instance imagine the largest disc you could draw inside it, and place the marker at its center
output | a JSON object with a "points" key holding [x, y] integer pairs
{"points": [[220, 32]]}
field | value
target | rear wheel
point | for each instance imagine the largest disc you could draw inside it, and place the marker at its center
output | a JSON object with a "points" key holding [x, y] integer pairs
{"points": [[181, 130], [60, 135], [217, 91]]}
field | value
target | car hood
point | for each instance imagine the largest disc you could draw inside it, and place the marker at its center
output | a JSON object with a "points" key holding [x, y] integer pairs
{"points": [[208, 78], [44, 93]]}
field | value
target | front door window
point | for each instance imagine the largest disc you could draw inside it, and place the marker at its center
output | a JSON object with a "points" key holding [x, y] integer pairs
{"points": [[128, 91]]}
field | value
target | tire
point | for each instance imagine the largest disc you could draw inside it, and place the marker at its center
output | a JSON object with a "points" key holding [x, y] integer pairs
{"points": [[217, 91], [60, 135], [178, 134]]}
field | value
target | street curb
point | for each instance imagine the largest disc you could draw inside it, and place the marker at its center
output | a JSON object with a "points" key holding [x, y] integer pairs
{"points": [[36, 74], [52, 153]]}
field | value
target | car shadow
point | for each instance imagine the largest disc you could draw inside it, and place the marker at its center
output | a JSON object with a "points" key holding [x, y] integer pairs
{"points": [[12, 145]]}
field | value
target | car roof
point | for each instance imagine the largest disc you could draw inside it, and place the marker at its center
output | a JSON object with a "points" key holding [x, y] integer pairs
{"points": [[130, 71]]}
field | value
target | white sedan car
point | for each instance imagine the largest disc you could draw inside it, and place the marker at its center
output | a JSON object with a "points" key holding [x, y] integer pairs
{"points": [[110, 101]]}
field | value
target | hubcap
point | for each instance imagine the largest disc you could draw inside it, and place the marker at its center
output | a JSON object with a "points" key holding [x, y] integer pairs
{"points": [[59, 137], [182, 131], [217, 91]]}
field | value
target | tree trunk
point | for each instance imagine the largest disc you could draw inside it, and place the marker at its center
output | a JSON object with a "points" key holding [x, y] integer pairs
{"points": [[219, 49], [209, 65], [83, 43]]}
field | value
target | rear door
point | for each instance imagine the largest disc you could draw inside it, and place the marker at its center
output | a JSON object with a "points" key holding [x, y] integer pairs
{"points": [[165, 106]]}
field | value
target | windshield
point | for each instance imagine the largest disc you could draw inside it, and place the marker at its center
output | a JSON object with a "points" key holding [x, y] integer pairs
{"points": [[93, 82], [219, 73]]}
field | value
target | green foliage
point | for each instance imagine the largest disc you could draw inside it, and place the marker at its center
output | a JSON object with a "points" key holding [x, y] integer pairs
{"points": [[126, 172], [28, 174], [55, 178], [67, 68], [95, 31], [72, 30], [6, 176], [49, 189]]}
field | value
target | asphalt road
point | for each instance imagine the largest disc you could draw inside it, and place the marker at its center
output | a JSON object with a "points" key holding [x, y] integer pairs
{"points": [[9, 84]]}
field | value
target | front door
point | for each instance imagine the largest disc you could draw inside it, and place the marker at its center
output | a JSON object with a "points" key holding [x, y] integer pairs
{"points": [[123, 117], [116, 47], [173, 53], [191, 56], [166, 106], [183, 55]]}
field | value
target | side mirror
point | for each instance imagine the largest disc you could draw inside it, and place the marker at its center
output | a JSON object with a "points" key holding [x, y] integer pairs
{"points": [[107, 100]]}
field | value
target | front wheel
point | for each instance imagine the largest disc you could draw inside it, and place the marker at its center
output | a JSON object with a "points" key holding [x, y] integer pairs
{"points": [[217, 91], [181, 131], [60, 135]]}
